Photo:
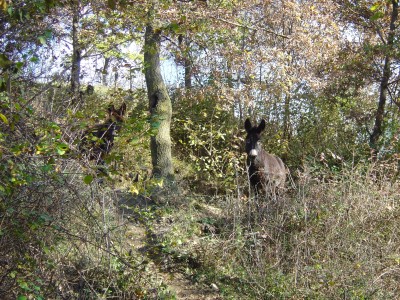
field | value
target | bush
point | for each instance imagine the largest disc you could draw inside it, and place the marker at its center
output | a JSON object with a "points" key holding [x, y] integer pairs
{"points": [[208, 140], [60, 237]]}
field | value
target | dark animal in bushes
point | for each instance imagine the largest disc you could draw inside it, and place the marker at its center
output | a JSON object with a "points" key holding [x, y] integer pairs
{"points": [[267, 173], [98, 140]]}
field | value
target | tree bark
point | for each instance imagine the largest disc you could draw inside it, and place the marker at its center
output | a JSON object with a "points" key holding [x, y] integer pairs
{"points": [[286, 119], [105, 71], [76, 55], [186, 62], [159, 104], [384, 85]]}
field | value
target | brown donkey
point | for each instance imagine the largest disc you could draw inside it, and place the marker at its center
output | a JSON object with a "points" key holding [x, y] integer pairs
{"points": [[267, 172], [98, 140]]}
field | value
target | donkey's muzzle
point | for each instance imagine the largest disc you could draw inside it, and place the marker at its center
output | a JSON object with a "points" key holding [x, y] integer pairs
{"points": [[253, 153]]}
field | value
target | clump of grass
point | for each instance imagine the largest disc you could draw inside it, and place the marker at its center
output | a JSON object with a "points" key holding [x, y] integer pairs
{"points": [[349, 241]]}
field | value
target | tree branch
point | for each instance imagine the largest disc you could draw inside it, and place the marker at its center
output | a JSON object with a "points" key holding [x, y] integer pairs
{"points": [[249, 27]]}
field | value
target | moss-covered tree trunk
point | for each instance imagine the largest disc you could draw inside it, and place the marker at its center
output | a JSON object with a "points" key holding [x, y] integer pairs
{"points": [[159, 104]]}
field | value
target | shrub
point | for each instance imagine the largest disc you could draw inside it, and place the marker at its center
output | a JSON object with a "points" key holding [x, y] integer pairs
{"points": [[208, 139]]}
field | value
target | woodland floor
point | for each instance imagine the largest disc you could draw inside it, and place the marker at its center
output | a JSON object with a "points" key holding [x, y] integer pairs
{"points": [[165, 270]]}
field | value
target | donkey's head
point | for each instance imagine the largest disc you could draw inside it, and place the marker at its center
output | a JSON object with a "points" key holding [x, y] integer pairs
{"points": [[98, 140], [253, 146], [113, 123], [116, 115]]}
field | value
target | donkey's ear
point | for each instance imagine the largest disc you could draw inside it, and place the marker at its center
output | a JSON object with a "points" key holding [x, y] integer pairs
{"points": [[261, 127], [247, 125], [110, 108]]}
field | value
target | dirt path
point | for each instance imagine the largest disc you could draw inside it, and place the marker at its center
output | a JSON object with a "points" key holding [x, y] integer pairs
{"points": [[177, 286], [175, 282]]}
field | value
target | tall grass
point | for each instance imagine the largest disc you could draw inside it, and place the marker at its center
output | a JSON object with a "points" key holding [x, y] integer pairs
{"points": [[337, 238]]}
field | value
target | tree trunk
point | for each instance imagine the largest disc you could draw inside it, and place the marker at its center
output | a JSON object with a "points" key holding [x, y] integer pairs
{"points": [[188, 73], [384, 85], [76, 55], [286, 119], [187, 64], [104, 73], [159, 104]]}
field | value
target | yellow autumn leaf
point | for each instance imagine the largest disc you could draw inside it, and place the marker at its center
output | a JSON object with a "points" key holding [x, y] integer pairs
{"points": [[3, 5], [134, 190]]}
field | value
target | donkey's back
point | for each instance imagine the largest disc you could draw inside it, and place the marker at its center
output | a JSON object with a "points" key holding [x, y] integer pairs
{"points": [[273, 168]]}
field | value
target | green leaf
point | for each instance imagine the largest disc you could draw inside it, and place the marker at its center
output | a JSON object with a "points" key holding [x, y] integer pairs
{"points": [[34, 59], [4, 118], [174, 27], [45, 218], [155, 125], [62, 148], [22, 298], [134, 141], [88, 179], [19, 65], [42, 40], [377, 15], [4, 61], [23, 285], [48, 34]]}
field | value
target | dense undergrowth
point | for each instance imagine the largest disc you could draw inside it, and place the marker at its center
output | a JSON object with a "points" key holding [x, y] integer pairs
{"points": [[69, 232], [332, 235], [321, 240], [331, 240]]}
